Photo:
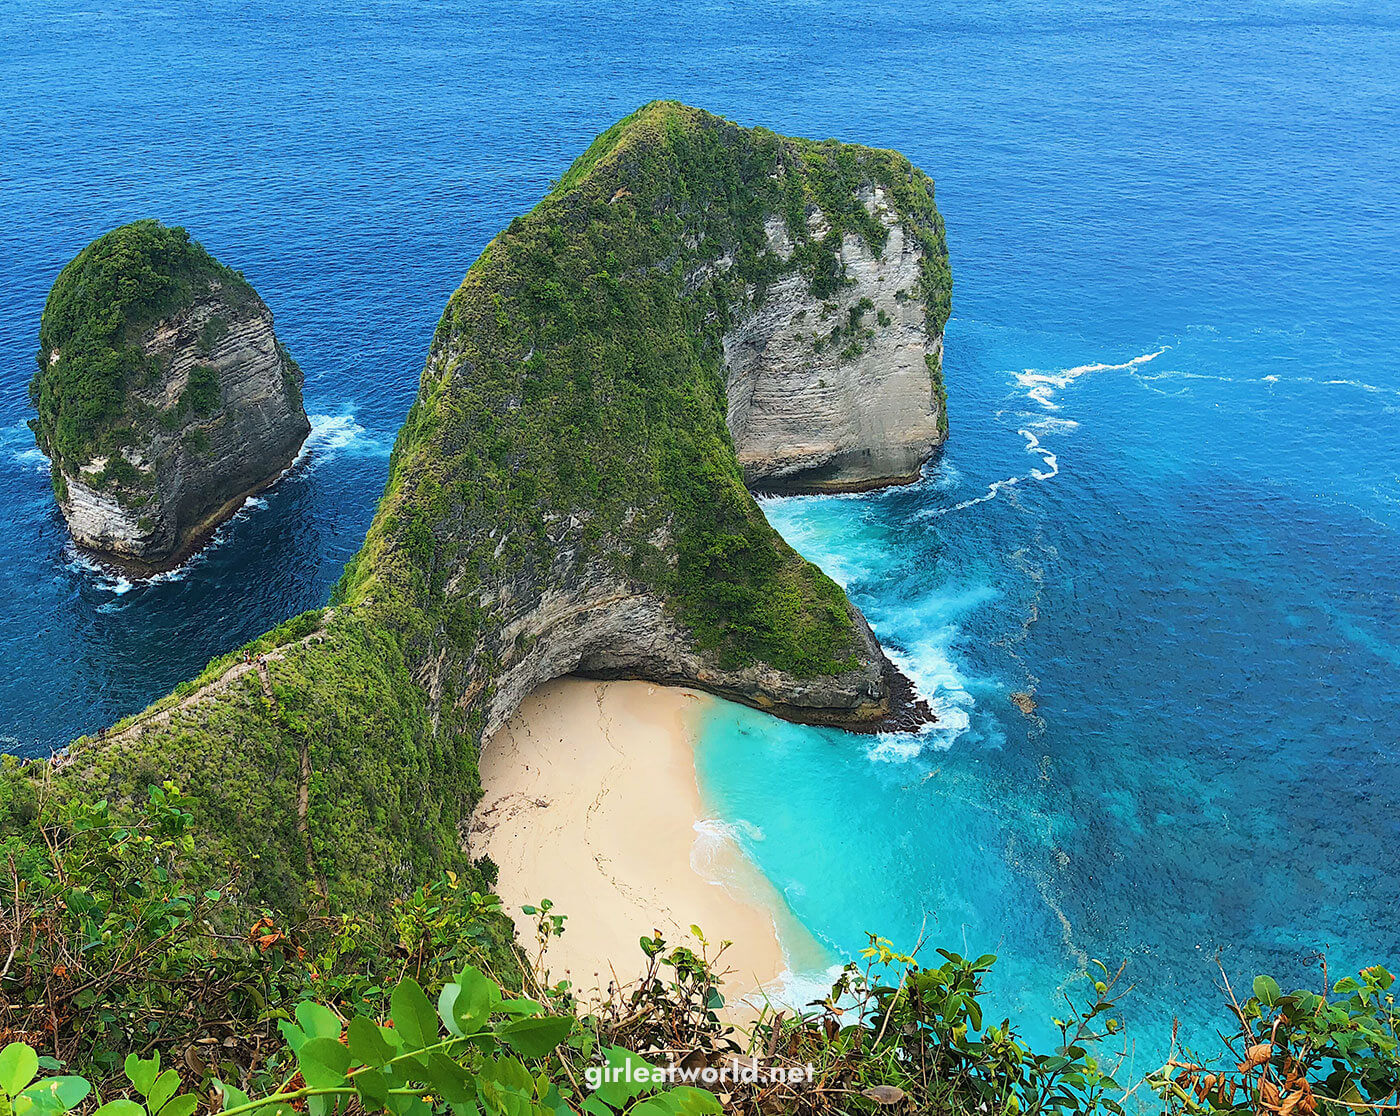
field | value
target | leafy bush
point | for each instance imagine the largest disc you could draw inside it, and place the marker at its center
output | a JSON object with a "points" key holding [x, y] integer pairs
{"points": [[135, 984], [1332, 1053], [201, 394], [118, 944]]}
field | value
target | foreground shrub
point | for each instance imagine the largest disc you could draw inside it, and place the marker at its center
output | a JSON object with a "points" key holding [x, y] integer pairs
{"points": [[125, 991]]}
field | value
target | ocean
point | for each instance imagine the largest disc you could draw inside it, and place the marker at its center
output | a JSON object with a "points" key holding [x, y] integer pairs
{"points": [[1168, 512]]}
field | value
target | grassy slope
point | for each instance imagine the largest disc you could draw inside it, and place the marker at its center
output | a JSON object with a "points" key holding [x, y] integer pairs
{"points": [[573, 376]]}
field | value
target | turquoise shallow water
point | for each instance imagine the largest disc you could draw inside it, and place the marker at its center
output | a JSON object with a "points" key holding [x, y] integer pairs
{"points": [[1207, 628], [1200, 586]]}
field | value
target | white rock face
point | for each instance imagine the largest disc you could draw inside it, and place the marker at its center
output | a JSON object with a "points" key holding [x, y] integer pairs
{"points": [[810, 412], [99, 522]]}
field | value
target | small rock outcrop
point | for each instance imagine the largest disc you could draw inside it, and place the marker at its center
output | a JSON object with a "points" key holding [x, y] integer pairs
{"points": [[164, 397]]}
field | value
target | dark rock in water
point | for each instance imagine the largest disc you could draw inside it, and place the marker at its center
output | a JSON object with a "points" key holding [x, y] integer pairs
{"points": [[164, 397]]}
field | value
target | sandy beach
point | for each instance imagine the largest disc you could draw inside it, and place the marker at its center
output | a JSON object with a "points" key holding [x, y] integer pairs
{"points": [[591, 801]]}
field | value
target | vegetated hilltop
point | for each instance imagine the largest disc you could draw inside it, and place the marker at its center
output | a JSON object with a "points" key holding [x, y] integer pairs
{"points": [[164, 397], [564, 496]]}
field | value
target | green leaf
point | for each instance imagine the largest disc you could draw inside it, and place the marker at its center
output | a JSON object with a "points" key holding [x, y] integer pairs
{"points": [[367, 1044], [477, 997], [449, 1080], [1268, 991], [536, 1035], [695, 1102], [408, 1105], [520, 1007], [317, 1021], [373, 1088], [234, 1097], [295, 1037], [18, 1065], [121, 1107], [165, 1087], [53, 1095], [324, 1063], [656, 1106], [414, 1017], [142, 1074], [446, 999], [628, 1085], [180, 1106]]}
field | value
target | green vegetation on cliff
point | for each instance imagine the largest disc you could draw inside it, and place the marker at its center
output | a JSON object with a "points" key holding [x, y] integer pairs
{"points": [[114, 289], [569, 430], [578, 370], [156, 988]]}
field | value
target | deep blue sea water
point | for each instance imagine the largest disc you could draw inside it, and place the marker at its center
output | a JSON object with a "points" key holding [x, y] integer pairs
{"points": [[1174, 234]]}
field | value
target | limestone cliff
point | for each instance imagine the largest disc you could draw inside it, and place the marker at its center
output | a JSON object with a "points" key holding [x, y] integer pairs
{"points": [[164, 396], [565, 496], [845, 392]]}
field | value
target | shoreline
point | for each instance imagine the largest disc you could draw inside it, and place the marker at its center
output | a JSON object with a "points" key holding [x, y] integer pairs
{"points": [[591, 800]]}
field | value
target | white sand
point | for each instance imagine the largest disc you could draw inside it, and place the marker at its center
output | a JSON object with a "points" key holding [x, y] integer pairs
{"points": [[591, 801]]}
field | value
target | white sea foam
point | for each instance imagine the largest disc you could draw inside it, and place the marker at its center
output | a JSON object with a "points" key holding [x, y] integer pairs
{"points": [[798, 991], [716, 839], [114, 581], [1050, 424], [712, 837], [895, 747], [32, 458], [104, 578], [937, 680], [1033, 446], [1041, 385], [1052, 469], [334, 435], [991, 494]]}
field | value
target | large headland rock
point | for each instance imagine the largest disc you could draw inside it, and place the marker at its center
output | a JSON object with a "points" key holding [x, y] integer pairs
{"points": [[694, 306], [164, 397]]}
